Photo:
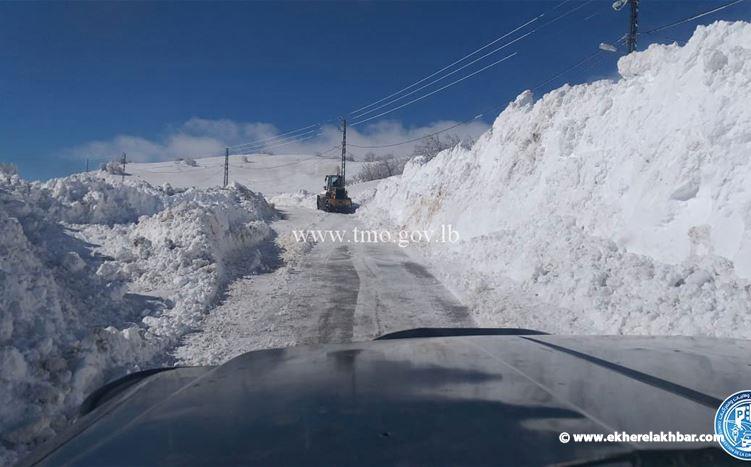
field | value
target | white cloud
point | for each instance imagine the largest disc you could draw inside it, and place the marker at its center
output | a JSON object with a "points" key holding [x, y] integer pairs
{"points": [[202, 137]]}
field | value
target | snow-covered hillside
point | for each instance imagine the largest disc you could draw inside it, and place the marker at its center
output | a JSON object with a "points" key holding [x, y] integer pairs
{"points": [[267, 174], [99, 277], [611, 207]]}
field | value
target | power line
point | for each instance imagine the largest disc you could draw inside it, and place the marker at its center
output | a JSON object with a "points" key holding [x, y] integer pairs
{"points": [[190, 170], [444, 76], [269, 146], [579, 63], [559, 5], [435, 91], [300, 140], [236, 166], [696, 16], [287, 164], [361, 120], [294, 135], [328, 150], [536, 18], [251, 147], [279, 137], [567, 14], [464, 122], [417, 139], [273, 166], [359, 112]]}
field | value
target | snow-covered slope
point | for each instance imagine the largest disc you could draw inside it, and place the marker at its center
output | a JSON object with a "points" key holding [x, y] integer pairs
{"points": [[267, 174], [99, 277], [615, 206]]}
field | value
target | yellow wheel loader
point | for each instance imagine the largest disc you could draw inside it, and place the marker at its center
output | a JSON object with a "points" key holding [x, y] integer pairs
{"points": [[334, 198]]}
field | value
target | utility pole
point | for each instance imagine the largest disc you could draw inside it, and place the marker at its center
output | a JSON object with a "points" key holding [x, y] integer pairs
{"points": [[123, 160], [226, 167], [633, 27], [344, 149]]}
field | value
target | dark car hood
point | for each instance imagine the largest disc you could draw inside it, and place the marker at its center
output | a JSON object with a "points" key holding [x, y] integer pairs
{"points": [[482, 400]]}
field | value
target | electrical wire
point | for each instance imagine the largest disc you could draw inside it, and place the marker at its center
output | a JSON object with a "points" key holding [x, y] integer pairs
{"points": [[599, 53], [293, 136], [357, 114], [581, 62], [328, 151], [434, 91], [536, 18], [273, 166], [443, 77], [252, 147], [190, 170], [274, 140], [696, 16], [243, 167], [255, 142], [361, 120], [283, 165], [300, 140], [416, 139]]}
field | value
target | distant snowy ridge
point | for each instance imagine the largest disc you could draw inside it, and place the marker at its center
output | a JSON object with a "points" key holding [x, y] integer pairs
{"points": [[99, 277], [270, 175], [611, 207]]}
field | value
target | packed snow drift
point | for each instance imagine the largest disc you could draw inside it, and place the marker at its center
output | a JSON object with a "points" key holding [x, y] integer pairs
{"points": [[619, 206], [99, 277]]}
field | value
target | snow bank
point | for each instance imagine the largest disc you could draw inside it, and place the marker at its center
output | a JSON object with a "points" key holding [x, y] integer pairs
{"points": [[300, 198], [615, 206], [100, 277]]}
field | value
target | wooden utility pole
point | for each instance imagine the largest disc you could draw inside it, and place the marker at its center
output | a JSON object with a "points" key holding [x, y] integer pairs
{"points": [[123, 160], [344, 150], [226, 167]]}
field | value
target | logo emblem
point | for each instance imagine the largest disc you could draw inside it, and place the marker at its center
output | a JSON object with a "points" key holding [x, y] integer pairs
{"points": [[733, 422]]}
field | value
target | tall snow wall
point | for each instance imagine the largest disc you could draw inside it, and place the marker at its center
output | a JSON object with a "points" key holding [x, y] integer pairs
{"points": [[658, 161]]}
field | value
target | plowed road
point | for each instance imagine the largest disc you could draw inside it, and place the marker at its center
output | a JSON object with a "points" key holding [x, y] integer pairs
{"points": [[338, 291]]}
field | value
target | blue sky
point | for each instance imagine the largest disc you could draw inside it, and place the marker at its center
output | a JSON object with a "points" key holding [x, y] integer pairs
{"points": [[96, 77]]}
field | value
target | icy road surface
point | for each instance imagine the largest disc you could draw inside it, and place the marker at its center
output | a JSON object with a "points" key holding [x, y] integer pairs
{"points": [[335, 292]]}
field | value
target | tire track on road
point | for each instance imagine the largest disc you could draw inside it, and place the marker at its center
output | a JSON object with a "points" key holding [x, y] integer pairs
{"points": [[339, 282]]}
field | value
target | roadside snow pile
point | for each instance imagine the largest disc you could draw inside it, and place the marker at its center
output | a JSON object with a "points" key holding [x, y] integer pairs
{"points": [[84, 199], [610, 207], [100, 277], [302, 198]]}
